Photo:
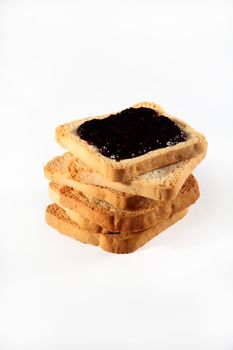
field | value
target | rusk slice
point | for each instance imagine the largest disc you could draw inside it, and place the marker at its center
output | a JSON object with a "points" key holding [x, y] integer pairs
{"points": [[129, 169], [115, 243], [57, 171], [117, 220], [161, 184]]}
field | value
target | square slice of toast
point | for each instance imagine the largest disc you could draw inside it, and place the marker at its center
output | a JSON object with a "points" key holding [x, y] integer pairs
{"points": [[128, 169], [120, 243]]}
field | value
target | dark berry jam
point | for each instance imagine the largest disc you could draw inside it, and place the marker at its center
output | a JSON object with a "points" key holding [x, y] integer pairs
{"points": [[131, 133]]}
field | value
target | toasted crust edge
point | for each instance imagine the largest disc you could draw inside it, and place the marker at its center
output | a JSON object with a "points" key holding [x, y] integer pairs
{"points": [[118, 199], [117, 243], [121, 195], [128, 222], [156, 191]]}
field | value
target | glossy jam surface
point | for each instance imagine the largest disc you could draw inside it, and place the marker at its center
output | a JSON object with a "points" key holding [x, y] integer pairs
{"points": [[131, 133]]}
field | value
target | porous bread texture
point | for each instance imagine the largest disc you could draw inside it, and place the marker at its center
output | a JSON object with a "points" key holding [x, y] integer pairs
{"points": [[114, 243], [128, 169], [84, 223], [160, 184], [116, 220], [57, 171]]}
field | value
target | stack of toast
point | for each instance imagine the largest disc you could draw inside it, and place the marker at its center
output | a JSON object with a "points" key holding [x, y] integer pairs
{"points": [[125, 178]]}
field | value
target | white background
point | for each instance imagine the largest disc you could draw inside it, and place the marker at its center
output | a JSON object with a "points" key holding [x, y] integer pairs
{"points": [[61, 60]]}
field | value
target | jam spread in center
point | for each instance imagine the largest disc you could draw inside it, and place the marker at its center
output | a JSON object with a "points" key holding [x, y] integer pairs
{"points": [[131, 133]]}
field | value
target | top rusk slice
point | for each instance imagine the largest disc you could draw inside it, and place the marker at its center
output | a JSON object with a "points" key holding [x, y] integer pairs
{"points": [[128, 169]]}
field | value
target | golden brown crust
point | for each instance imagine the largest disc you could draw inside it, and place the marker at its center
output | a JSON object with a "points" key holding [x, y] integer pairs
{"points": [[130, 168], [84, 223], [128, 220], [113, 243], [162, 184], [57, 171], [57, 218]]}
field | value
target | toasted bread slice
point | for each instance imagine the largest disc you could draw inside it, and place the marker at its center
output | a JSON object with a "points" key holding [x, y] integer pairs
{"points": [[114, 243], [161, 184], [117, 220], [57, 171], [128, 169]]}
